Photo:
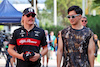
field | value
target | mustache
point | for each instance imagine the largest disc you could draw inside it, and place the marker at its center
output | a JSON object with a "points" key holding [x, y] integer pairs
{"points": [[30, 20]]}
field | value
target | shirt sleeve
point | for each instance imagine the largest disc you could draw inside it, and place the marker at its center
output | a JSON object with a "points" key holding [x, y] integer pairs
{"points": [[43, 40], [13, 39]]}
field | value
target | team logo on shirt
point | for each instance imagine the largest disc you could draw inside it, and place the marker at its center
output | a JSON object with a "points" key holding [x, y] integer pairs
{"points": [[36, 33], [28, 41], [22, 33]]}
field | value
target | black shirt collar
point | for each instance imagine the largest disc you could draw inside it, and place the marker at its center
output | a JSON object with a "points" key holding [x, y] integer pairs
{"points": [[30, 30]]}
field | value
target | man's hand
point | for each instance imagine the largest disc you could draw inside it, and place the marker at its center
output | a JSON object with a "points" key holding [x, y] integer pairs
{"points": [[21, 56], [35, 57]]}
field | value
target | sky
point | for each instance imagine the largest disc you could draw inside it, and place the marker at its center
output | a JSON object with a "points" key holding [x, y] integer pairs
{"points": [[41, 4], [24, 1], [24, 4]]}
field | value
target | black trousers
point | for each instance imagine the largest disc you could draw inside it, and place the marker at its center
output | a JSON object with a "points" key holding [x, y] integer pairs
{"points": [[21, 63]]}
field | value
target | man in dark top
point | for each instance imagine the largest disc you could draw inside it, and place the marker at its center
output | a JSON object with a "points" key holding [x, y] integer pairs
{"points": [[84, 21], [28, 39], [95, 38], [76, 42]]}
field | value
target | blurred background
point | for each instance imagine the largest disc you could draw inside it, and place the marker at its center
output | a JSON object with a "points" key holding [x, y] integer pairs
{"points": [[46, 13], [50, 13]]}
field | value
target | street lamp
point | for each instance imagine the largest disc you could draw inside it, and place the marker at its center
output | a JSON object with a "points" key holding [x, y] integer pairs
{"points": [[55, 12], [83, 7]]}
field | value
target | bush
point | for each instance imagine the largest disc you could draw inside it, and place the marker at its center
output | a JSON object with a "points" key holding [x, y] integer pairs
{"points": [[94, 24], [53, 28]]}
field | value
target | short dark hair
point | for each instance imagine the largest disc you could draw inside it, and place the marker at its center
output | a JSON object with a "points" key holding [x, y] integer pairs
{"points": [[77, 9], [84, 17]]}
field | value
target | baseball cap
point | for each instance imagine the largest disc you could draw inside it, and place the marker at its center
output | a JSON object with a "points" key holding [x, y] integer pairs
{"points": [[28, 11]]}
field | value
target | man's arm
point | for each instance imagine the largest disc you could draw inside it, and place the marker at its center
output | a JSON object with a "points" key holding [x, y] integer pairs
{"points": [[59, 51], [13, 53], [44, 51], [91, 51]]}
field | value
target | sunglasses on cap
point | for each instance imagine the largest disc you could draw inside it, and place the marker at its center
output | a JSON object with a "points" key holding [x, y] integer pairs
{"points": [[73, 16], [84, 20], [28, 15]]}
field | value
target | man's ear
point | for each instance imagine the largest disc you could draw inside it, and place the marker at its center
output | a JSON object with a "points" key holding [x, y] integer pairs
{"points": [[80, 16]]}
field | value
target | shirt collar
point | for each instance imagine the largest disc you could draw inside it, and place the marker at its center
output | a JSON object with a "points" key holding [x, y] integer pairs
{"points": [[31, 29]]}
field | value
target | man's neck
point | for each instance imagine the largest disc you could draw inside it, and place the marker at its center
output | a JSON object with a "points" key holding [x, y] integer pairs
{"points": [[77, 26], [29, 27]]}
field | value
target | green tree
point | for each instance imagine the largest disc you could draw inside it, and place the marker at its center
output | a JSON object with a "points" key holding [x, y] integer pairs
{"points": [[96, 6], [97, 1], [62, 6]]}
